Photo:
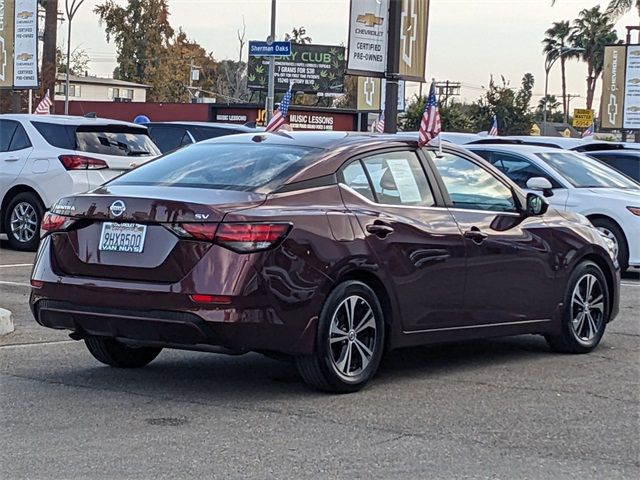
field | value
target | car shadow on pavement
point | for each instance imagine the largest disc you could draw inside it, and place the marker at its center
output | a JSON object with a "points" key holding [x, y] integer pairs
{"points": [[200, 376]]}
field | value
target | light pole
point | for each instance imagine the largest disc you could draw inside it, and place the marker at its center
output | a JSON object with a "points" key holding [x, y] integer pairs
{"points": [[71, 6], [552, 57], [272, 65]]}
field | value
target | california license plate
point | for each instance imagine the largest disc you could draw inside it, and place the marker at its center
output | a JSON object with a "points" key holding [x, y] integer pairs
{"points": [[122, 237]]}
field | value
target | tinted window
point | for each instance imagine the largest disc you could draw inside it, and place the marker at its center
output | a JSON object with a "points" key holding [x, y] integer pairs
{"points": [[519, 169], [20, 139], [353, 176], [398, 179], [247, 167], [118, 141], [169, 138], [627, 164], [583, 172], [471, 186], [7, 129], [204, 133], [61, 136]]}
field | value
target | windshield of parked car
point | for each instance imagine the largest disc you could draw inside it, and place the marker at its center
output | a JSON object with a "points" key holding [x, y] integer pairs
{"points": [[584, 172], [236, 166]]}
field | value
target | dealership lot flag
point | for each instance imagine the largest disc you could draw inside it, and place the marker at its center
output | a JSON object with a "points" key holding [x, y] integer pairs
{"points": [[380, 123], [588, 132], [44, 105], [494, 128], [280, 115], [430, 125]]}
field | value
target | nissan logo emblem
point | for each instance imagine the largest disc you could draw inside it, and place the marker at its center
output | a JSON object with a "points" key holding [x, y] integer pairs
{"points": [[117, 208]]}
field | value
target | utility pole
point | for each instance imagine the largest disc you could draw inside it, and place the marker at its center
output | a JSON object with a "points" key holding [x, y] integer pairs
{"points": [[71, 7], [569, 98], [393, 67], [49, 49], [272, 65]]}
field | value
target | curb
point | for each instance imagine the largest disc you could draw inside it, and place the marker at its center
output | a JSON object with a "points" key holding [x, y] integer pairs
{"points": [[6, 322]]}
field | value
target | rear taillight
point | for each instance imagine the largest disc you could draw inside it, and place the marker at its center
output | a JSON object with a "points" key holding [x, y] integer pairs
{"points": [[239, 237], [52, 222], [79, 162], [251, 237]]}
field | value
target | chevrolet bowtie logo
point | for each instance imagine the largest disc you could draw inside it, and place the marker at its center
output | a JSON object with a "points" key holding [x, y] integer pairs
{"points": [[369, 19]]}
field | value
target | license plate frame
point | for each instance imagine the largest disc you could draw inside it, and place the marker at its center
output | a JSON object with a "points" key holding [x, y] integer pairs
{"points": [[122, 237]]}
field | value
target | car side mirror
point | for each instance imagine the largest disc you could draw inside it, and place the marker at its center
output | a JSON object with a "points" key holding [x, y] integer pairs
{"points": [[540, 184], [536, 205]]}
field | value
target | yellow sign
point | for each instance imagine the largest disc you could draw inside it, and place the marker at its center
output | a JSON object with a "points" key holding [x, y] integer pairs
{"points": [[582, 118], [414, 22], [7, 23]]}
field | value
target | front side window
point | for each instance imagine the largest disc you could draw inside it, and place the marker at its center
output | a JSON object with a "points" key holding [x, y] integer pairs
{"points": [[519, 169], [397, 178], [223, 166], [472, 187], [585, 172]]}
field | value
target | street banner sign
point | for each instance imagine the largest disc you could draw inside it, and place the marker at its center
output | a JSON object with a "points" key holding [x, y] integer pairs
{"points": [[6, 43], [371, 94], [25, 58], [368, 28], [266, 49], [311, 69], [631, 117], [582, 117], [620, 101], [414, 22]]}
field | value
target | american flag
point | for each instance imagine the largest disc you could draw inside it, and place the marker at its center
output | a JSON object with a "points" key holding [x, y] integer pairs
{"points": [[280, 115], [588, 132], [380, 123], [494, 127], [44, 105], [430, 125]]}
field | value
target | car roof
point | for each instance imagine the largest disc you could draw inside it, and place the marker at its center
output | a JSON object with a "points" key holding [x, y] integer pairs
{"points": [[230, 126], [576, 144], [626, 152], [66, 119], [510, 147]]}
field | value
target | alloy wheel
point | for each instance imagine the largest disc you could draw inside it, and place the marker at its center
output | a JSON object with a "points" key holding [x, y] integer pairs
{"points": [[352, 337], [587, 308], [24, 222]]}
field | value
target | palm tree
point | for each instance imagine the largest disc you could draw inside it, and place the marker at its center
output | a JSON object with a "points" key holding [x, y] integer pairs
{"points": [[591, 31], [556, 40], [617, 8]]}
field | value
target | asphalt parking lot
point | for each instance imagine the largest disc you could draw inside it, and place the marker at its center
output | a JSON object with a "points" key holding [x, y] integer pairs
{"points": [[503, 408]]}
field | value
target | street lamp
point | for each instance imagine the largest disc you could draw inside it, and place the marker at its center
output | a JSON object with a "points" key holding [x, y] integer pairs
{"points": [[548, 63], [71, 6]]}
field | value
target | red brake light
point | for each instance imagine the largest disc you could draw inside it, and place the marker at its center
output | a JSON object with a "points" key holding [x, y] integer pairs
{"points": [[78, 162], [52, 222], [219, 299], [200, 231], [251, 237]]}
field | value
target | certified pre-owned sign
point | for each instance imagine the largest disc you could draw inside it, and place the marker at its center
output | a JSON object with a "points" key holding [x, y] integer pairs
{"points": [[25, 66], [368, 26], [6, 43]]}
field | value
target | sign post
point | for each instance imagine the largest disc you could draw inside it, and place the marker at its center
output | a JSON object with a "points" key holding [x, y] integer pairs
{"points": [[270, 93]]}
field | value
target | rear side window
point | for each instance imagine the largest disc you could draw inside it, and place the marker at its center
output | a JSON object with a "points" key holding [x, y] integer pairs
{"points": [[20, 139], [61, 136], [354, 177], [7, 129], [169, 138], [245, 167]]}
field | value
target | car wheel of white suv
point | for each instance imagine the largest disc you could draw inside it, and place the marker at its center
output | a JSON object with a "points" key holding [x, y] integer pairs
{"points": [[22, 221]]}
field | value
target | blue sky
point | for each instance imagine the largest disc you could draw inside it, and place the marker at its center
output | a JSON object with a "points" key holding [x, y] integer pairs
{"points": [[469, 40]]}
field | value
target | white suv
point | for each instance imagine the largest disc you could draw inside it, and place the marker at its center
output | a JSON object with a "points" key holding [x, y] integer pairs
{"points": [[577, 183], [45, 157]]}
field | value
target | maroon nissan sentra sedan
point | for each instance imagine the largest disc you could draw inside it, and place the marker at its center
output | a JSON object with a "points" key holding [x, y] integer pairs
{"points": [[329, 248]]}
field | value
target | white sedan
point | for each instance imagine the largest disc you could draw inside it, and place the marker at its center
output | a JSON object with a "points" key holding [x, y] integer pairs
{"points": [[45, 157], [576, 183]]}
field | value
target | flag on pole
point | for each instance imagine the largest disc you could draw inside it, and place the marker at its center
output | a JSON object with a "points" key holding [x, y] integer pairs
{"points": [[430, 125], [44, 105], [280, 115], [380, 123], [588, 132], [494, 127]]}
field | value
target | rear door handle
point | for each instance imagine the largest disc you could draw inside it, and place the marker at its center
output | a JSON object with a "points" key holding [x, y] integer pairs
{"points": [[475, 235], [11, 159], [380, 229]]}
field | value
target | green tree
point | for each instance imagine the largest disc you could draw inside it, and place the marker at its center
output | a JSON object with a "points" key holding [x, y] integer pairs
{"points": [[298, 35], [454, 116], [555, 41], [511, 107], [592, 30], [617, 8], [79, 61], [553, 114], [142, 34]]}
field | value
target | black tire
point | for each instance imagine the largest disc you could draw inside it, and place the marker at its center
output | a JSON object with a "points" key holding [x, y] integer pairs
{"points": [[111, 352], [621, 240], [320, 370], [34, 203], [569, 341]]}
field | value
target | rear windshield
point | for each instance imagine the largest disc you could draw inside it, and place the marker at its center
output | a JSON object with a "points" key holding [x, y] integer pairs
{"points": [[116, 140], [245, 167]]}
